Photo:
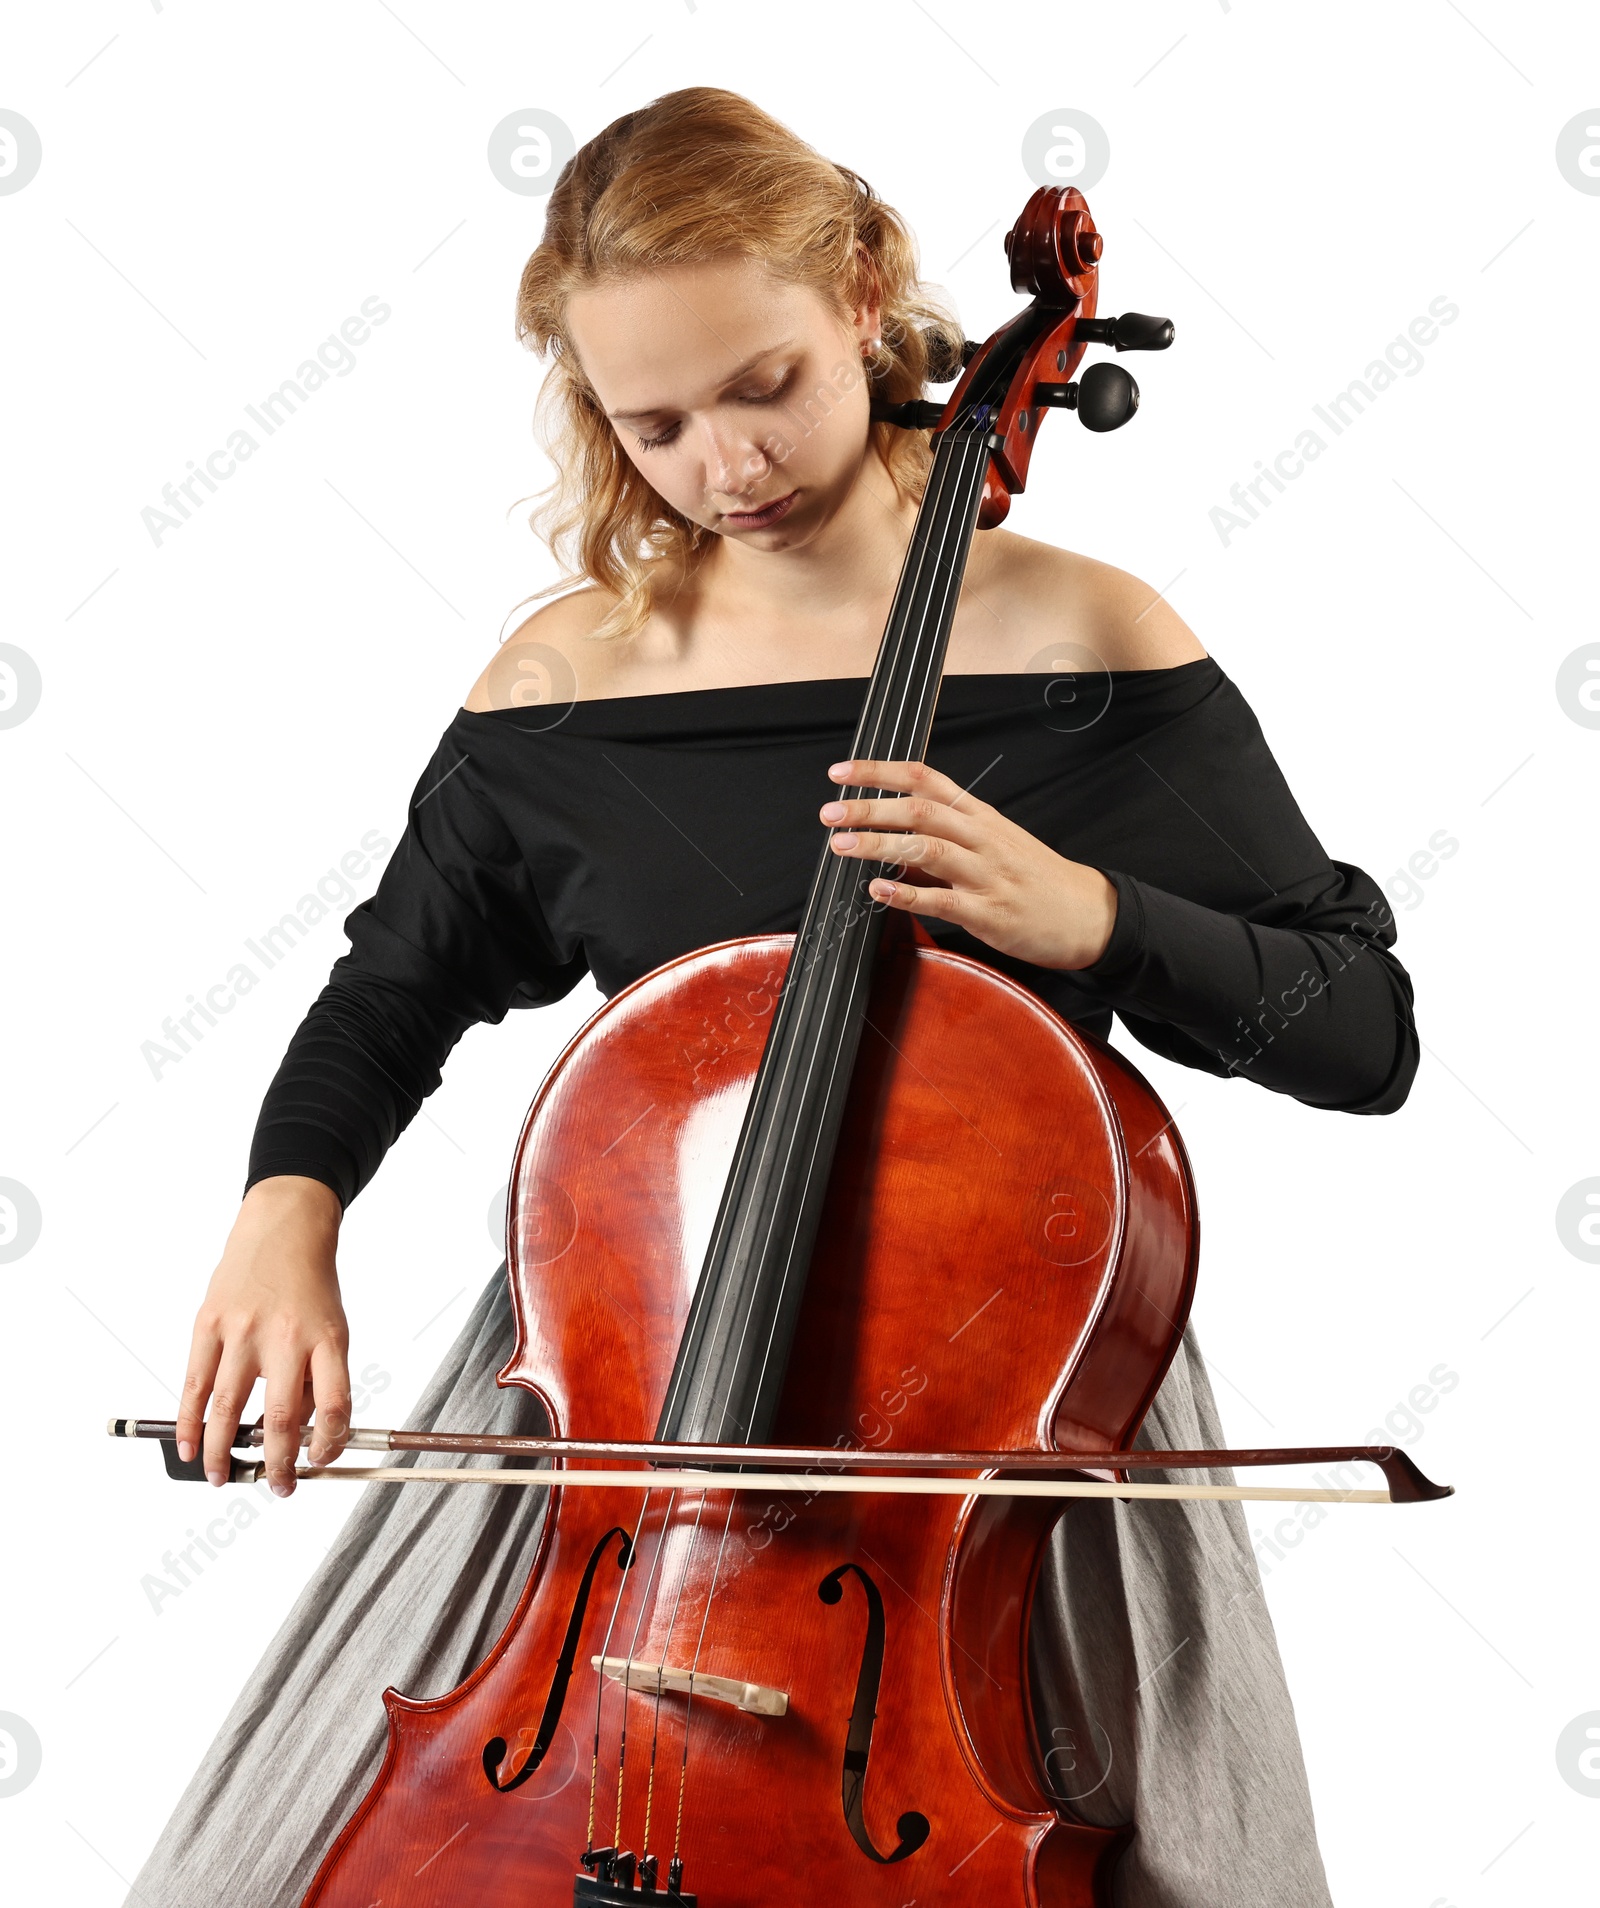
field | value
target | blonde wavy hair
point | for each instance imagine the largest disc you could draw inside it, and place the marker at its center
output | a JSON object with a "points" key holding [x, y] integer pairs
{"points": [[695, 175]]}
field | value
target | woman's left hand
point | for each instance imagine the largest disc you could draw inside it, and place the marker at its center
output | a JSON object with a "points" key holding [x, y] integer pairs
{"points": [[965, 862]]}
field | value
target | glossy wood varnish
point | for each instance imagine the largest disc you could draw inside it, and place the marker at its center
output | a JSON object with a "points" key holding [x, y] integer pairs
{"points": [[1006, 1262]]}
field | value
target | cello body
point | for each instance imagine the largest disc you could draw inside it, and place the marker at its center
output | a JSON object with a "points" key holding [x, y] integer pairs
{"points": [[1005, 1261]]}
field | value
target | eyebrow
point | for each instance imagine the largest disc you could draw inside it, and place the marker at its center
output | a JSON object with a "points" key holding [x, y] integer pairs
{"points": [[655, 410]]}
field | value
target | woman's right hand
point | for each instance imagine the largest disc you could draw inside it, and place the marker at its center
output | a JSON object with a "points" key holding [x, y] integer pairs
{"points": [[272, 1311]]}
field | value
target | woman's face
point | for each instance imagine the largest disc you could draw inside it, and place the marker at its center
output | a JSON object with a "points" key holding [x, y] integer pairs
{"points": [[741, 398]]}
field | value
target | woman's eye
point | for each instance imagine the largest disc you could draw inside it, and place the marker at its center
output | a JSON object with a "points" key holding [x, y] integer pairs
{"points": [[748, 397], [766, 397]]}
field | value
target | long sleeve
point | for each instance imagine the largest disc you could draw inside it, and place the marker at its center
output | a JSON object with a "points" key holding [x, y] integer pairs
{"points": [[454, 935], [1240, 947], [1310, 1004]]}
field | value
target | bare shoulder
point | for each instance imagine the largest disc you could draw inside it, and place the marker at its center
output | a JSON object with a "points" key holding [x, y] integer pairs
{"points": [[549, 657], [1036, 594]]}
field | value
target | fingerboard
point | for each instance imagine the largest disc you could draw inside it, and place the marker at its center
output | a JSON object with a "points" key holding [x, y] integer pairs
{"points": [[734, 1352]]}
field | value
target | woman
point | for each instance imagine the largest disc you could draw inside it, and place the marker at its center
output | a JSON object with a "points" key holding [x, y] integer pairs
{"points": [[639, 772]]}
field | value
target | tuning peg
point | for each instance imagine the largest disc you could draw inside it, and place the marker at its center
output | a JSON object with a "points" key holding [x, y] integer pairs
{"points": [[1104, 398], [916, 414], [1107, 397], [1133, 331]]}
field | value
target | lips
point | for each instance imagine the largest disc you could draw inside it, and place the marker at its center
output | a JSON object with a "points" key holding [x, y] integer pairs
{"points": [[760, 519]]}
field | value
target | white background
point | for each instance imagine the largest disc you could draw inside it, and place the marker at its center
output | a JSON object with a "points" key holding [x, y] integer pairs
{"points": [[225, 715]]}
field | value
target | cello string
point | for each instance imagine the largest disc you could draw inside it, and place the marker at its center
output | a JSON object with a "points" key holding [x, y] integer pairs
{"points": [[964, 467], [924, 581], [947, 581], [661, 1672], [930, 586], [968, 469], [627, 1668], [926, 561], [600, 1674], [803, 979], [950, 469], [958, 524], [694, 1664], [922, 578]]}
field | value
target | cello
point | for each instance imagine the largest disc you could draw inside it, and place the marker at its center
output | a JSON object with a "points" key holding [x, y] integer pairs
{"points": [[954, 1233]]}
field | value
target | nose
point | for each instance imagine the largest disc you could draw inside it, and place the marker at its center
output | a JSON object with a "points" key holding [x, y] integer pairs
{"points": [[735, 464]]}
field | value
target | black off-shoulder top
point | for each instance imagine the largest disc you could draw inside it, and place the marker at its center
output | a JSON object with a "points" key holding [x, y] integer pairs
{"points": [[608, 836]]}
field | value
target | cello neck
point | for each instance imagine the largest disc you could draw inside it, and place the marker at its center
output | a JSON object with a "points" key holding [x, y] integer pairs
{"points": [[732, 1358]]}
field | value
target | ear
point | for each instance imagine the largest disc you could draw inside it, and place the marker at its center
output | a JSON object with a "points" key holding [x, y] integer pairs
{"points": [[867, 317]]}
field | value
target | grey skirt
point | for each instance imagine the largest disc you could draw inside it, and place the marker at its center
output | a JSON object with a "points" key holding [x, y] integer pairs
{"points": [[1160, 1696]]}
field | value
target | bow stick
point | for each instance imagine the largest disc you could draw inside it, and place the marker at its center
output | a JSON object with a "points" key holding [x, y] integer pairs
{"points": [[908, 1473]]}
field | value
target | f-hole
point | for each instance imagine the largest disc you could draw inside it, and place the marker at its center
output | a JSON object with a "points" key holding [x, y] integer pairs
{"points": [[494, 1753], [912, 1828]]}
